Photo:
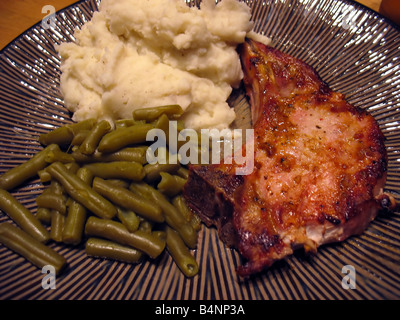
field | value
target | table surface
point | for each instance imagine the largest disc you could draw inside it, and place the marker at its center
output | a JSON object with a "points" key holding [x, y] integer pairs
{"points": [[16, 16]]}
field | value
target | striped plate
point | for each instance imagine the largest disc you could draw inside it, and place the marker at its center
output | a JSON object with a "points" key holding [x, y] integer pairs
{"points": [[355, 51]]}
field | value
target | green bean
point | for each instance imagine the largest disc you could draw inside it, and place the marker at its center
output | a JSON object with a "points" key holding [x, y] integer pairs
{"points": [[79, 138], [135, 154], [146, 226], [196, 222], [44, 176], [82, 192], [57, 226], [29, 247], [111, 250], [124, 136], [58, 155], [150, 114], [52, 200], [140, 191], [25, 219], [56, 187], [127, 122], [60, 136], [116, 231], [75, 221], [55, 192], [153, 171], [117, 170], [128, 218], [65, 134], [72, 167], [160, 234], [85, 174], [172, 216], [43, 215], [180, 253], [119, 183], [27, 170], [180, 203], [164, 123], [89, 145], [128, 200], [84, 125], [180, 125], [183, 172], [170, 185]]}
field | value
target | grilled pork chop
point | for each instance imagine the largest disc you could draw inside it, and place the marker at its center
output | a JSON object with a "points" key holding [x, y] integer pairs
{"points": [[319, 166]]}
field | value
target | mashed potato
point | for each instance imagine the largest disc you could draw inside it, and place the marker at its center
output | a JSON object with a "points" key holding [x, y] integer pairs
{"points": [[138, 53]]}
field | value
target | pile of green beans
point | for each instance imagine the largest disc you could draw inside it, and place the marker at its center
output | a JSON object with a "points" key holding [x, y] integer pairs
{"points": [[100, 190]]}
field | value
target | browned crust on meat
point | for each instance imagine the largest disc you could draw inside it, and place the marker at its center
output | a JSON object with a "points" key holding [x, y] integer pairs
{"points": [[328, 159], [320, 166], [209, 192]]}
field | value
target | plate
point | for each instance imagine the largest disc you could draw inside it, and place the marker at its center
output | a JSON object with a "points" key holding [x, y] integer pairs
{"points": [[355, 51]]}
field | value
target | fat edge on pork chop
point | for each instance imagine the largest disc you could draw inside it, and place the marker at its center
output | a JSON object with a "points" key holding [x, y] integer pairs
{"points": [[319, 166]]}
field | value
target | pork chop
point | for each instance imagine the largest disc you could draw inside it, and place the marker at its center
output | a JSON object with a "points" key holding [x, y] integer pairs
{"points": [[319, 166]]}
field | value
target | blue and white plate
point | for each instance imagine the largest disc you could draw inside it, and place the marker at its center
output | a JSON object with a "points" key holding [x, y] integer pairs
{"points": [[355, 50]]}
